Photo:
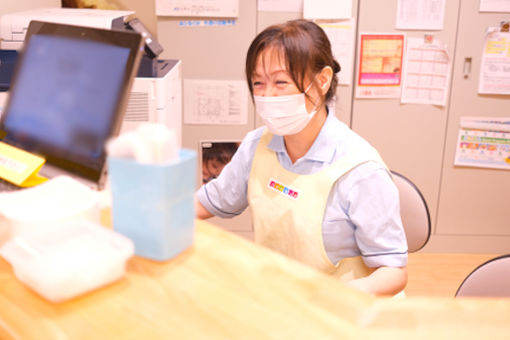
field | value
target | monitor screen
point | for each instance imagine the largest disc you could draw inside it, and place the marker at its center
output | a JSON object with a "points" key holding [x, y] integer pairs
{"points": [[68, 94]]}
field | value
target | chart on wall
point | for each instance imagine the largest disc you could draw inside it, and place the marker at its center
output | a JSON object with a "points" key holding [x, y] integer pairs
{"points": [[427, 70]]}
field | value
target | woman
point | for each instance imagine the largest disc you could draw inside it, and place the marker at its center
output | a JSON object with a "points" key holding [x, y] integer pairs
{"points": [[318, 192]]}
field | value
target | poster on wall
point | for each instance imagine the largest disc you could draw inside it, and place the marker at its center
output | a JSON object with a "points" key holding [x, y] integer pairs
{"points": [[198, 8], [495, 66], [214, 155], [427, 69], [341, 36], [484, 142], [380, 65]]}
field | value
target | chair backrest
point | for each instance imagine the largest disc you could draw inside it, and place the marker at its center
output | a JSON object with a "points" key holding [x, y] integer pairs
{"points": [[414, 212], [491, 278]]}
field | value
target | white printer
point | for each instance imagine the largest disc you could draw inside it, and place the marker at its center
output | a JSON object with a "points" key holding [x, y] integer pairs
{"points": [[157, 98], [156, 93], [13, 26]]}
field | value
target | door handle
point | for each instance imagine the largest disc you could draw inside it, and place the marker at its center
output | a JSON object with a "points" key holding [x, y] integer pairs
{"points": [[466, 70]]}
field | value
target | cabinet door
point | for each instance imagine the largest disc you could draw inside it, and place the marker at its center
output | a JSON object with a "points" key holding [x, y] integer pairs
{"points": [[212, 53], [409, 137], [474, 202]]}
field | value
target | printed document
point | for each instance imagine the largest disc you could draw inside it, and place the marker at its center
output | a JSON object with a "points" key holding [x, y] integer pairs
{"points": [[341, 36], [494, 6], [495, 66], [215, 102], [198, 8], [484, 142], [280, 5], [420, 14], [327, 9], [427, 69]]}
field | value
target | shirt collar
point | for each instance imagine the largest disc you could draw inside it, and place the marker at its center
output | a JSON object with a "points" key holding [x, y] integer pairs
{"points": [[323, 148]]}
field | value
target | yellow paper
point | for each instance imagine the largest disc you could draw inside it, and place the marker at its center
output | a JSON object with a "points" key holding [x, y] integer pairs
{"points": [[20, 167], [496, 46]]}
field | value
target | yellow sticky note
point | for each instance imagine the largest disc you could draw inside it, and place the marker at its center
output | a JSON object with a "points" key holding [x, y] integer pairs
{"points": [[496, 46], [19, 166]]}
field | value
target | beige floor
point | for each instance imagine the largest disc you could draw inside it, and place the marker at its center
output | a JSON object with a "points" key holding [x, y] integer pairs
{"points": [[440, 274]]}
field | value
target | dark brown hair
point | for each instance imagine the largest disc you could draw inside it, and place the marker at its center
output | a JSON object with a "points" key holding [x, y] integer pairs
{"points": [[305, 47]]}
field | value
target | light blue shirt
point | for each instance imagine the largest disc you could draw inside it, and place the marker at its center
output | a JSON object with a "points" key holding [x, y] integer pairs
{"points": [[362, 215]]}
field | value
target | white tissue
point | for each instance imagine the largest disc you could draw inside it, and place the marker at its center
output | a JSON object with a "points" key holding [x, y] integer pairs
{"points": [[149, 143], [161, 140]]}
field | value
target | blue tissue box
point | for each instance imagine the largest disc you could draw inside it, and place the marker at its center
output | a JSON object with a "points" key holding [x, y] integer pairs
{"points": [[153, 204]]}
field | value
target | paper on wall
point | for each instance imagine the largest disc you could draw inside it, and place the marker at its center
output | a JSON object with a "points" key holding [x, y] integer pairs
{"points": [[215, 102], [495, 66], [484, 142], [198, 8], [280, 5], [341, 36], [427, 69], [207, 23], [327, 9], [494, 6], [420, 14], [380, 65]]}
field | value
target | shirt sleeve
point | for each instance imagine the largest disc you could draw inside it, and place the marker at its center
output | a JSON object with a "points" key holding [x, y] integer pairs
{"points": [[226, 196], [374, 210]]}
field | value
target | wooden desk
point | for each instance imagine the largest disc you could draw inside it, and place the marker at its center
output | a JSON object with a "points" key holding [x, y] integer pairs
{"points": [[225, 287], [440, 275]]}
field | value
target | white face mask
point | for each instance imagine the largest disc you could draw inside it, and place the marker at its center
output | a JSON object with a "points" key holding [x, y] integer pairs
{"points": [[284, 115]]}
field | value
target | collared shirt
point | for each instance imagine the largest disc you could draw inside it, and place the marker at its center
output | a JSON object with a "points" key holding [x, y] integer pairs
{"points": [[362, 216]]}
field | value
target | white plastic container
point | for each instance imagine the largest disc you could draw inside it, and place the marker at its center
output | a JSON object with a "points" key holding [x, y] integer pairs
{"points": [[63, 263], [59, 201]]}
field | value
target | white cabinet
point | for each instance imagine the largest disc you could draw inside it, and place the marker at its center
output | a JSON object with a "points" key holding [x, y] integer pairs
{"points": [[474, 203]]}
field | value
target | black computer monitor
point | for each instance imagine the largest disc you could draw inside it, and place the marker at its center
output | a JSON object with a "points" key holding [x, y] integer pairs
{"points": [[69, 92]]}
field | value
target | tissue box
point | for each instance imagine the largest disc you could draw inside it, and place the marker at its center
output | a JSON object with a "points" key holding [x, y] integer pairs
{"points": [[65, 262], [153, 204]]}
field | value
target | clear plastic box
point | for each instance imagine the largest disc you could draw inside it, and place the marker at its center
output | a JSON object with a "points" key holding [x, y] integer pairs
{"points": [[58, 201], [65, 262]]}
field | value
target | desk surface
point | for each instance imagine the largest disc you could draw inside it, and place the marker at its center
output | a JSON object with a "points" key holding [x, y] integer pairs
{"points": [[225, 287]]}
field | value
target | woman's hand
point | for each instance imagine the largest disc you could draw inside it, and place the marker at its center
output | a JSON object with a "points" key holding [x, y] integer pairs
{"points": [[200, 211], [383, 281]]}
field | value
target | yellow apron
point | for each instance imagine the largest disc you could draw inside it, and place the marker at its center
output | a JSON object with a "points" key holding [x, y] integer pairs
{"points": [[288, 209]]}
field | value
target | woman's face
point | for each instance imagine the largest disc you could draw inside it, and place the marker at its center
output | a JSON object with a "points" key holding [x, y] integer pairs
{"points": [[271, 78]]}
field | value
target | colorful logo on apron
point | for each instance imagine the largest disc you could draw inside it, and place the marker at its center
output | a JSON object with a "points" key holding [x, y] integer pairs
{"points": [[284, 190]]}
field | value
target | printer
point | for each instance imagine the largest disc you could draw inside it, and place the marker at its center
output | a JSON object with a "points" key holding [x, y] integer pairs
{"points": [[156, 97], [13, 26], [156, 93]]}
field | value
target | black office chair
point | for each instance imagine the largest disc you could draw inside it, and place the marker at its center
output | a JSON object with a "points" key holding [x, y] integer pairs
{"points": [[414, 212], [490, 279]]}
